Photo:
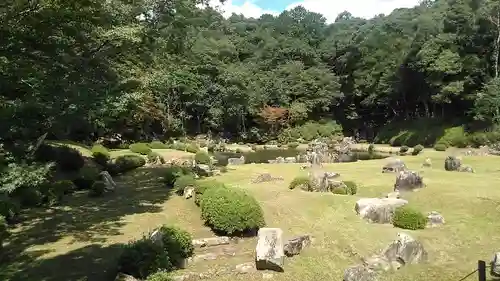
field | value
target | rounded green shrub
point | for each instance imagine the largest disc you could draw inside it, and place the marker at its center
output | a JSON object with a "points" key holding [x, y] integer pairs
{"points": [[299, 182], [101, 154], [127, 163], [160, 276], [142, 258], [28, 197], [202, 158], [54, 192], [339, 190], [440, 147], [351, 187], [140, 147], [417, 149], [178, 243], [157, 145], [87, 175], [403, 149], [202, 186], [407, 218], [97, 189], [67, 158], [183, 182], [293, 145], [231, 211], [154, 156], [173, 172], [193, 148]]}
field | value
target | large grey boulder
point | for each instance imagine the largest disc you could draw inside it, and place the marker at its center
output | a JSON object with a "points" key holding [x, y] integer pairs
{"points": [[435, 219], [108, 181], [378, 210], [495, 265], [236, 161], [269, 251], [408, 181], [452, 163], [322, 181], [394, 166]]}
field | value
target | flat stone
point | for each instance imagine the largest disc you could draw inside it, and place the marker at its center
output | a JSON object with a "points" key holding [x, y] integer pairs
{"points": [[212, 241], [245, 268]]}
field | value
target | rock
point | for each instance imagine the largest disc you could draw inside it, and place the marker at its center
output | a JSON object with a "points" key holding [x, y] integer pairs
{"points": [[108, 180], [280, 160], [435, 219], [405, 250], [269, 251], [495, 265], [408, 181], [305, 166], [394, 166], [125, 277], [203, 170], [296, 245], [321, 181], [245, 268], [265, 177], [393, 195], [188, 192], [359, 273], [290, 160], [452, 163], [267, 276], [378, 210], [212, 241], [157, 237], [465, 169], [427, 163], [331, 175], [203, 257], [236, 161]]}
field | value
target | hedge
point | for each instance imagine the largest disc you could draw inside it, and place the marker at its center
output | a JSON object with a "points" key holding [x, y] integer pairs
{"points": [[408, 218]]}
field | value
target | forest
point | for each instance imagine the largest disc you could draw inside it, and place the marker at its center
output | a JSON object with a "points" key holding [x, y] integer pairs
{"points": [[149, 69]]}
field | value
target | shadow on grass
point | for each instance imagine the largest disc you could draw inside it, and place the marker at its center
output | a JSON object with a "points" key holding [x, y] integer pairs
{"points": [[83, 219]]}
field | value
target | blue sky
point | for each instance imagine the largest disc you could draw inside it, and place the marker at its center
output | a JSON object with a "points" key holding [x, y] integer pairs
{"points": [[329, 8]]}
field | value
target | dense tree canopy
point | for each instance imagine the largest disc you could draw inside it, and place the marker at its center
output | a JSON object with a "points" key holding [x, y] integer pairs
{"points": [[83, 69]]}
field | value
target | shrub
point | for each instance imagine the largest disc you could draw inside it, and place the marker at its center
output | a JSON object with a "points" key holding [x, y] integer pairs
{"points": [[67, 158], [183, 182], [160, 276], [97, 189], [173, 172], [440, 147], [28, 197], [202, 158], [127, 163], [54, 192], [143, 257], [222, 160], [340, 191], [157, 145], [211, 147], [371, 148], [101, 154], [408, 218], [417, 149], [293, 145], [154, 156], [86, 177], [178, 243], [351, 187], [192, 147], [202, 186], [310, 131], [403, 149], [230, 210], [140, 147], [299, 181], [254, 147]]}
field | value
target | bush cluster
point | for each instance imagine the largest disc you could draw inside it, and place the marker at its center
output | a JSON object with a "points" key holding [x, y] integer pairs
{"points": [[230, 210], [101, 154], [97, 189], [173, 172], [351, 187], [440, 147], [160, 276], [183, 182], [153, 156], [125, 163], [403, 149], [193, 148], [54, 192], [4, 231], [293, 145], [67, 158], [408, 218], [158, 145], [86, 177], [202, 186], [417, 149], [140, 147], [202, 158], [143, 258], [299, 182]]}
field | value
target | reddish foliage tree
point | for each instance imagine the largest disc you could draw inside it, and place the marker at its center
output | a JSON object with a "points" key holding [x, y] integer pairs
{"points": [[275, 117]]}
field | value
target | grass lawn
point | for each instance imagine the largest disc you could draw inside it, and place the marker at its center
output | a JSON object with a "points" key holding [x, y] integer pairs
{"points": [[79, 238]]}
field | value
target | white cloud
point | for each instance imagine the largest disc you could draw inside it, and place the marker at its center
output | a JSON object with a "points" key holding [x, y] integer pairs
{"points": [[248, 9], [329, 8], [358, 8]]}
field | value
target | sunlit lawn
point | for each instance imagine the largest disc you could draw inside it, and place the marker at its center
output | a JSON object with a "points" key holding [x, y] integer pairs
{"points": [[77, 239]]}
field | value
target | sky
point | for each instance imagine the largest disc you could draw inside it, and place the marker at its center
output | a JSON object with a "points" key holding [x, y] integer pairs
{"points": [[329, 8]]}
